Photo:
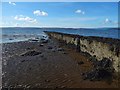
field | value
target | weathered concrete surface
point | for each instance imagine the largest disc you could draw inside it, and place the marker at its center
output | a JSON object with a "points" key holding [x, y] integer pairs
{"points": [[97, 47]]}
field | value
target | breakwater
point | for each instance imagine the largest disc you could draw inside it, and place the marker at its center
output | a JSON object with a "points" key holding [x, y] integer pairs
{"points": [[97, 47]]}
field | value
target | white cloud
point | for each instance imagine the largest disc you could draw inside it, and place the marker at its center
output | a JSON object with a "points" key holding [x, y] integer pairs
{"points": [[40, 13], [12, 3], [107, 20], [25, 18], [79, 12]]}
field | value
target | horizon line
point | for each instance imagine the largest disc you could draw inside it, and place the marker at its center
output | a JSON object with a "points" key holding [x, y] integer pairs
{"points": [[54, 27]]}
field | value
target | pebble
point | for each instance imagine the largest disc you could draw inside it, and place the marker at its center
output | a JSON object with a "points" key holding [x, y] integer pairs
{"points": [[50, 47], [31, 53], [5, 63], [19, 85], [23, 61], [65, 75], [80, 62], [41, 45], [38, 84], [3, 73], [62, 86], [60, 49], [41, 55], [64, 53], [47, 80], [53, 50]]}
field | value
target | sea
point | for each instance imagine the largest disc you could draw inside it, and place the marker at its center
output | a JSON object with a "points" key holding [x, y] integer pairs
{"points": [[17, 34]]}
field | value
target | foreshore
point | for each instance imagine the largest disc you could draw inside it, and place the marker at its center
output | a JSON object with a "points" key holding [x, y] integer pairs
{"points": [[51, 64]]}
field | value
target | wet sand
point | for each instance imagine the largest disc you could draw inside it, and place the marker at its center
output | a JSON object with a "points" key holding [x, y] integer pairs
{"points": [[51, 66]]}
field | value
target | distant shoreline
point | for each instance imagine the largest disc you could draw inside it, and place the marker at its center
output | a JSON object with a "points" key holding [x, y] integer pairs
{"points": [[64, 27]]}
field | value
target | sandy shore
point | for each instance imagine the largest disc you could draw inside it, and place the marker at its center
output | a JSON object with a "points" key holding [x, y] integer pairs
{"points": [[46, 65]]}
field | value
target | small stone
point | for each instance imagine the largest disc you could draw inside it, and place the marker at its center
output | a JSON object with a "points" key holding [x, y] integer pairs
{"points": [[80, 62], [28, 86], [41, 45], [60, 49], [56, 87], [23, 61], [47, 80], [64, 53], [28, 48], [65, 75], [5, 63], [30, 68], [44, 41], [31, 53], [10, 39], [41, 55], [19, 85], [62, 86], [53, 50], [50, 47]]}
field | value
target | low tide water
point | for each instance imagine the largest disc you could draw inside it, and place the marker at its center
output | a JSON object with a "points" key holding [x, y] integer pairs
{"points": [[23, 34]]}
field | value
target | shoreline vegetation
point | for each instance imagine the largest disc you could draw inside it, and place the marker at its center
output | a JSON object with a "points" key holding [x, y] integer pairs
{"points": [[61, 61]]}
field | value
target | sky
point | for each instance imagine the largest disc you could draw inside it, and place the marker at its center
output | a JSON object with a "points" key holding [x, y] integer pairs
{"points": [[59, 14]]}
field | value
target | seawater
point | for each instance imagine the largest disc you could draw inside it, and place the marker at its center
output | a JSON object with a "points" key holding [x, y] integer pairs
{"points": [[23, 34]]}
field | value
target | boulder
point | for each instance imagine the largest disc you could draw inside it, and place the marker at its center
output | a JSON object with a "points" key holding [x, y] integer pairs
{"points": [[102, 70], [98, 74]]}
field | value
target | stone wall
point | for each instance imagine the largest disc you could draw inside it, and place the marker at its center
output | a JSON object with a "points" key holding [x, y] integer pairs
{"points": [[97, 47]]}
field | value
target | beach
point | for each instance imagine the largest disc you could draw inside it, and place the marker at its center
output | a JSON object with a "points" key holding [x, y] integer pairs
{"points": [[50, 64]]}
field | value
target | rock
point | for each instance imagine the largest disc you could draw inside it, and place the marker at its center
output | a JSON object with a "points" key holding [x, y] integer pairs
{"points": [[65, 75], [31, 53], [53, 50], [56, 87], [98, 74], [44, 40], [82, 74], [102, 70], [60, 49], [47, 80], [62, 87], [41, 55], [50, 47], [10, 39], [44, 58], [80, 62], [37, 38], [41, 45], [28, 48], [23, 61], [104, 63], [30, 68], [33, 40], [64, 53]]}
